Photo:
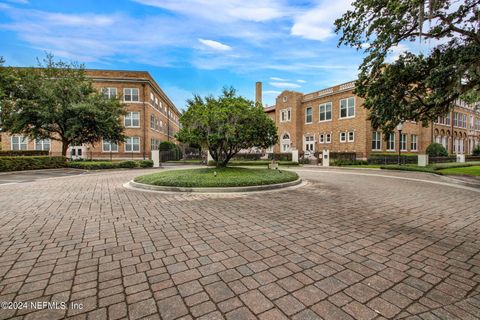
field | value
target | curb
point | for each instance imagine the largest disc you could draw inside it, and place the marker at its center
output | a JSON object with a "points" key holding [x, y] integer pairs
{"points": [[141, 186]]}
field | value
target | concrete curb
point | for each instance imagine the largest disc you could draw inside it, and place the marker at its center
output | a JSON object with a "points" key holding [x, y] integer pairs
{"points": [[135, 185]]}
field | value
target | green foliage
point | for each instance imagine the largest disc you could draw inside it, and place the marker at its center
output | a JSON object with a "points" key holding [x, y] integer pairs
{"points": [[280, 156], [436, 150], [476, 150], [170, 146], [225, 177], [347, 162], [30, 163], [12, 153], [410, 168], [58, 101], [416, 87], [225, 125], [98, 165], [259, 163], [464, 171]]}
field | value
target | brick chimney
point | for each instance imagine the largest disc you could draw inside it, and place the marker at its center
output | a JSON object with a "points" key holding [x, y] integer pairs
{"points": [[258, 92]]}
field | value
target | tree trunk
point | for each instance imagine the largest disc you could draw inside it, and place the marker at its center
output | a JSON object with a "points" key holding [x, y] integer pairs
{"points": [[65, 145]]}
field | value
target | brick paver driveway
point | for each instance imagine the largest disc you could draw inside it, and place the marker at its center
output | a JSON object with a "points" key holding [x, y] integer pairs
{"points": [[344, 246]]}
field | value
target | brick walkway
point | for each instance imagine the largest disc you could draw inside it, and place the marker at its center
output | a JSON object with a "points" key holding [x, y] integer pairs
{"points": [[343, 247]]}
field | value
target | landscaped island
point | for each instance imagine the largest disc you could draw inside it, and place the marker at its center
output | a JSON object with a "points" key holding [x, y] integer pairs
{"points": [[217, 177]]}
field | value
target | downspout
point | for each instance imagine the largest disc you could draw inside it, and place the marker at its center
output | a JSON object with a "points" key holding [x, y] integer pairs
{"points": [[144, 120], [451, 131]]}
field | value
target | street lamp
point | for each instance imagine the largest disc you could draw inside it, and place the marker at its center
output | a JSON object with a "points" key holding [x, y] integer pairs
{"points": [[399, 128]]}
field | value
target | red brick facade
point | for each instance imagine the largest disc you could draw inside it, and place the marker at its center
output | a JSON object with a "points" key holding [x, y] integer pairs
{"points": [[158, 118], [334, 119]]}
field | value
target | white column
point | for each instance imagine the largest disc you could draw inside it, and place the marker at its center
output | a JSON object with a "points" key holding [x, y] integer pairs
{"points": [[156, 158]]}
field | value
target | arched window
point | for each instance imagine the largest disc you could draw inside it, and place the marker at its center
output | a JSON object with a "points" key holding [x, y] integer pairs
{"points": [[286, 143]]}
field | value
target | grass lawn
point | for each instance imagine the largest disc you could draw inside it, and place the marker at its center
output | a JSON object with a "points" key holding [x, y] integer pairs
{"points": [[190, 161], [471, 171], [226, 177]]}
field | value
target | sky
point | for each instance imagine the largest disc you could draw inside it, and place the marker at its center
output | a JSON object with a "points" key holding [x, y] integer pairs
{"points": [[188, 46]]}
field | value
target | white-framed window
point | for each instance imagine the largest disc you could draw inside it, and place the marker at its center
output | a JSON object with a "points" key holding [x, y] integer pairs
{"points": [[343, 137], [308, 115], [309, 143], [132, 120], [376, 140], [108, 146], [285, 142], [321, 138], [285, 99], [347, 108], [351, 136], [152, 98], [132, 144], [391, 142], [42, 144], [413, 143], [156, 101], [328, 138], [403, 142], [19, 143], [286, 115], [110, 93], [131, 95], [154, 144], [269, 149], [325, 110]]}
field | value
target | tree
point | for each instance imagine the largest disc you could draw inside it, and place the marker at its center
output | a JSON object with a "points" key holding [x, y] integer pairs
{"points": [[417, 87], [225, 125], [57, 101]]}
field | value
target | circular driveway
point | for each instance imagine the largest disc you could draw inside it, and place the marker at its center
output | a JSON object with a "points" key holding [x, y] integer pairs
{"points": [[357, 244]]}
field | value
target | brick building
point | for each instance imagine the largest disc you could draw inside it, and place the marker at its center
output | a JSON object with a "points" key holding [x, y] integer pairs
{"points": [[151, 118], [334, 119]]}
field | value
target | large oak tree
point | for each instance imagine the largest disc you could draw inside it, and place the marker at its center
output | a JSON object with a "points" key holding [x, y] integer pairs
{"points": [[226, 125], [416, 86], [57, 101]]}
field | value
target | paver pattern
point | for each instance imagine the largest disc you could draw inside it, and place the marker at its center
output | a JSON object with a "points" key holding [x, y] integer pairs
{"points": [[342, 247]]}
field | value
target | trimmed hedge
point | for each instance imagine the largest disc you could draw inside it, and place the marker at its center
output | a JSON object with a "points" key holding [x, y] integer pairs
{"points": [[236, 163], [23, 153], [280, 156], [436, 150], [392, 159], [346, 162], [98, 165], [31, 163], [247, 156], [476, 151]]}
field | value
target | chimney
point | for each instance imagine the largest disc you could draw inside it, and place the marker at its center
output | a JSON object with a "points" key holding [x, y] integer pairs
{"points": [[258, 92]]}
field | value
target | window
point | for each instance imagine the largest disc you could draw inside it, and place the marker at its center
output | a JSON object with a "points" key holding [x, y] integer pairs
{"points": [[391, 142], [19, 143], [152, 121], [130, 95], [343, 137], [156, 101], [108, 146], [447, 119], [152, 98], [351, 136], [284, 99], [328, 138], [285, 115], [326, 111], [308, 115], [132, 144], [376, 140], [42, 144], [322, 138], [132, 120], [309, 143], [110, 93], [347, 108], [403, 142], [413, 143], [455, 119], [286, 142], [465, 121], [154, 143]]}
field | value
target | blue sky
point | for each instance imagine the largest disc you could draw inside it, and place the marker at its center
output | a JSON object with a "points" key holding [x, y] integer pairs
{"points": [[189, 46]]}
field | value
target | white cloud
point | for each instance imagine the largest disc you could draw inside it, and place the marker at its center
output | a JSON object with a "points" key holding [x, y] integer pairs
{"points": [[317, 23], [278, 79], [301, 81], [215, 45], [272, 92], [396, 51], [284, 85], [222, 10]]}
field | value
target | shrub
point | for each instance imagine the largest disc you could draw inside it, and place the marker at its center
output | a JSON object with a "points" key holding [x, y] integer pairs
{"points": [[476, 151], [346, 162], [280, 156], [98, 165], [247, 156], [31, 163], [436, 150], [170, 146], [145, 163], [26, 153]]}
